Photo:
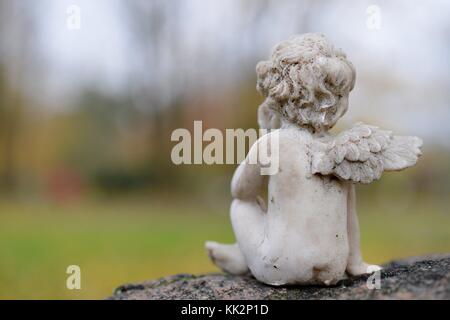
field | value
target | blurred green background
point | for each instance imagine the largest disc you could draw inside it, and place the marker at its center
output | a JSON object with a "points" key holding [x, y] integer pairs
{"points": [[86, 116]]}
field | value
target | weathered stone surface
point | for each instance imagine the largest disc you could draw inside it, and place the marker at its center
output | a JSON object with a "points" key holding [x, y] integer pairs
{"points": [[415, 278]]}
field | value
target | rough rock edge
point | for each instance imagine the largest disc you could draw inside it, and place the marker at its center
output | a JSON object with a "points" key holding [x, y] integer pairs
{"points": [[414, 278]]}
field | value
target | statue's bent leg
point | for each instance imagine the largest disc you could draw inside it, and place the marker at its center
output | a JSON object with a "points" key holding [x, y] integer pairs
{"points": [[247, 221]]}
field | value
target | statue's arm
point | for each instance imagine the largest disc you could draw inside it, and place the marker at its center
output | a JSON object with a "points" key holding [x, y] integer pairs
{"points": [[247, 180], [354, 257], [355, 263]]}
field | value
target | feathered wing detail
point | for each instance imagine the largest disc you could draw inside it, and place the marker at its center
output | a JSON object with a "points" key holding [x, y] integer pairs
{"points": [[362, 153]]}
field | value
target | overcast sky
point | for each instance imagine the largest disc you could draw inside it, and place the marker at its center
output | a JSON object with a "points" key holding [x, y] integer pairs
{"points": [[409, 41]]}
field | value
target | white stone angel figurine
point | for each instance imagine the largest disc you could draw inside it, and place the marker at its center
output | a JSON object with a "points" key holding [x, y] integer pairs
{"points": [[308, 231]]}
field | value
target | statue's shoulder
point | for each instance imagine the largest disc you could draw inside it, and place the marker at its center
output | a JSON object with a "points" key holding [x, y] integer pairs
{"points": [[286, 135], [286, 143]]}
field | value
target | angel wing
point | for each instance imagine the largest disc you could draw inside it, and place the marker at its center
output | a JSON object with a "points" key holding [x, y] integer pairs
{"points": [[361, 154]]}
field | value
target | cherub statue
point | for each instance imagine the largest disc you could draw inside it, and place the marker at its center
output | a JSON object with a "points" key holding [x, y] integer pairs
{"points": [[307, 231]]}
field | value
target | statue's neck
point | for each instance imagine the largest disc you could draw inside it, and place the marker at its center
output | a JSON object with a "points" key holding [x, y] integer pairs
{"points": [[285, 124]]}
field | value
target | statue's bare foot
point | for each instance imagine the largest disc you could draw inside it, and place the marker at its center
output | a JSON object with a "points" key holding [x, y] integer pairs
{"points": [[362, 268], [227, 257]]}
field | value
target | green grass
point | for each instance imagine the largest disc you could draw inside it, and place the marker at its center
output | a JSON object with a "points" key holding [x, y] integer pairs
{"points": [[130, 241]]}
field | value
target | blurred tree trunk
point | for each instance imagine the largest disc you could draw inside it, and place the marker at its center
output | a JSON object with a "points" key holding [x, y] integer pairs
{"points": [[15, 23], [155, 26]]}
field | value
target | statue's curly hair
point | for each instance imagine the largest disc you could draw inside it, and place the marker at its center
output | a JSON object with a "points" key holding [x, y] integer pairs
{"points": [[303, 78]]}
